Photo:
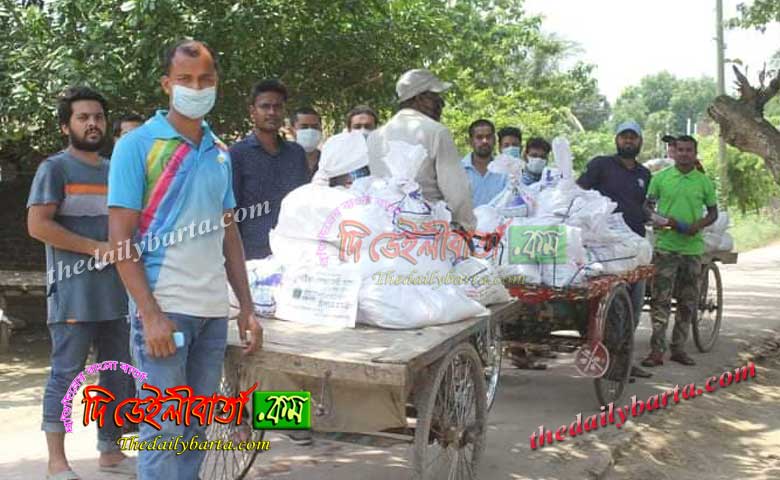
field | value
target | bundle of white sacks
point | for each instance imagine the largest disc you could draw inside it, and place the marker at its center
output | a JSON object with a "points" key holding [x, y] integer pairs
{"points": [[595, 240], [324, 238]]}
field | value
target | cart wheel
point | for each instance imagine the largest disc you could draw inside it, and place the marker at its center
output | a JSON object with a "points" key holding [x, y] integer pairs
{"points": [[488, 345], [225, 464], [451, 422], [616, 314], [706, 325]]}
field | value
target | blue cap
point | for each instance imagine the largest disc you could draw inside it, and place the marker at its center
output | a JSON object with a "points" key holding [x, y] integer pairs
{"points": [[629, 125]]}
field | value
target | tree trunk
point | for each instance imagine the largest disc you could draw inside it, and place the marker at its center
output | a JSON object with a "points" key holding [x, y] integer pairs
{"points": [[742, 122]]}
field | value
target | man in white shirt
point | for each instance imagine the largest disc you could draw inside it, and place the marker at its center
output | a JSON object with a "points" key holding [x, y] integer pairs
{"points": [[441, 176]]}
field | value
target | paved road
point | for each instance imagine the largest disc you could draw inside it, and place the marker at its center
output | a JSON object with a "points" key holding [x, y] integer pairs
{"points": [[526, 400]]}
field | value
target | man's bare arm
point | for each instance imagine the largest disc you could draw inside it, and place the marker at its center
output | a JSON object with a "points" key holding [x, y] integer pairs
{"points": [[235, 262], [235, 267], [709, 219], [158, 329], [42, 226]]}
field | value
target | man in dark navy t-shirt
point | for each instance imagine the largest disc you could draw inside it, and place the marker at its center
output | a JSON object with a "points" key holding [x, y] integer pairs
{"points": [[624, 180]]}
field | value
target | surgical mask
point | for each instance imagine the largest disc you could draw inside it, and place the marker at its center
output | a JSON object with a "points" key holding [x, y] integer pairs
{"points": [[512, 151], [308, 138], [536, 165], [192, 103], [366, 132]]}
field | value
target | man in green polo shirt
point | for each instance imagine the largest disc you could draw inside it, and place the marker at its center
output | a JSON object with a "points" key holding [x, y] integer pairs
{"points": [[680, 192]]}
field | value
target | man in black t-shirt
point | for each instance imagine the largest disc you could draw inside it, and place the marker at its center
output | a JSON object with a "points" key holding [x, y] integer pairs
{"points": [[624, 180]]}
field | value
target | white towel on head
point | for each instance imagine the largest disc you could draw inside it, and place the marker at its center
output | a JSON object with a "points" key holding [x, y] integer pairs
{"points": [[341, 154]]}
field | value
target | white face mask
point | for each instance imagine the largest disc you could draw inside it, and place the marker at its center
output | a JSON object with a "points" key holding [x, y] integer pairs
{"points": [[308, 138], [536, 164], [366, 132], [512, 151], [192, 103]]}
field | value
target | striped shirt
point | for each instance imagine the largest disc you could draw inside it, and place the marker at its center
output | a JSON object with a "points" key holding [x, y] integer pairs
{"points": [[181, 190], [76, 291]]}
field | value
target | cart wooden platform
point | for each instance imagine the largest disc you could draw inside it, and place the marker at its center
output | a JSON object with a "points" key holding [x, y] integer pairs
{"points": [[431, 386], [15, 284]]}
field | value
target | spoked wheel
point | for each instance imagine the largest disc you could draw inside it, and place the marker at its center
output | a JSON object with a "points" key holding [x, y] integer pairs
{"points": [[618, 338], [488, 345], [451, 422], [232, 464], [706, 325]]}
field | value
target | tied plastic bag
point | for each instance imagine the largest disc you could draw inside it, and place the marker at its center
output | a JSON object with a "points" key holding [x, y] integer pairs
{"points": [[410, 210], [309, 212], [404, 307], [265, 277], [563, 157], [507, 165], [481, 281]]}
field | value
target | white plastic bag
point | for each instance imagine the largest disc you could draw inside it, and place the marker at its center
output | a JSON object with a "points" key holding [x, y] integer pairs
{"points": [[564, 160], [481, 281], [414, 306], [319, 296]]}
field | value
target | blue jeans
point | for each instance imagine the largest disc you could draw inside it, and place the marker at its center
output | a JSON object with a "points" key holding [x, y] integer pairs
{"points": [[637, 293], [70, 347], [197, 364]]}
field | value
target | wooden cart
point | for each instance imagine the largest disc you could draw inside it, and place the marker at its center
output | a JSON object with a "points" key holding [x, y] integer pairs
{"points": [[607, 340], [432, 387], [16, 284]]}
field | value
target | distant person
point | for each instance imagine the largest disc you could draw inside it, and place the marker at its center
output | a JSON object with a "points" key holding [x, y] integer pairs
{"points": [[537, 150], [363, 119], [510, 141], [484, 184], [624, 180], [125, 124], [266, 167], [680, 193], [68, 213], [307, 127], [441, 176], [168, 176]]}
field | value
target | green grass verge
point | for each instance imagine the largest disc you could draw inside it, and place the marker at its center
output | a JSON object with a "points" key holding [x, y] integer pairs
{"points": [[753, 231]]}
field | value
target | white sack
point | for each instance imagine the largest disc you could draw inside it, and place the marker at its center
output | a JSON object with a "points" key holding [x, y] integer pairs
{"points": [[481, 281], [414, 306], [319, 295]]}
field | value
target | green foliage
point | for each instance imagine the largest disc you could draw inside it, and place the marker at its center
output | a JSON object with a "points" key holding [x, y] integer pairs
{"points": [[332, 55], [754, 230], [759, 13], [751, 185], [663, 104], [587, 145]]}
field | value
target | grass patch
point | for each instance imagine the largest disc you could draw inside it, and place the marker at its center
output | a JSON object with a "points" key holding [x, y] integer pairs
{"points": [[753, 230]]}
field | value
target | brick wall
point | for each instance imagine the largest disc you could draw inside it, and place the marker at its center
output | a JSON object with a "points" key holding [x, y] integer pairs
{"points": [[17, 250]]}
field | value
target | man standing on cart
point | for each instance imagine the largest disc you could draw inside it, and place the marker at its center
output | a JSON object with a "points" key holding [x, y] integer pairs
{"points": [[681, 193], [625, 181], [441, 176]]}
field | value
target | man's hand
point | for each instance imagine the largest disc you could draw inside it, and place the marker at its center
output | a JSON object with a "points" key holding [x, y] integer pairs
{"points": [[247, 321], [693, 229], [158, 334]]}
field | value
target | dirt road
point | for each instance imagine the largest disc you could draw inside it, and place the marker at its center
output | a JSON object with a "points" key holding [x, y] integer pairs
{"points": [[732, 428]]}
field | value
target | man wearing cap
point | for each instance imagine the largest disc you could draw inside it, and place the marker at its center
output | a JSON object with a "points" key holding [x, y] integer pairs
{"points": [[624, 180], [441, 176]]}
